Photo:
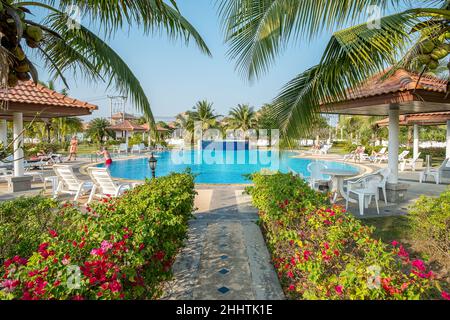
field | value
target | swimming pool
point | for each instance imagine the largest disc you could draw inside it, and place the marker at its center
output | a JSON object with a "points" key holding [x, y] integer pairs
{"points": [[217, 167]]}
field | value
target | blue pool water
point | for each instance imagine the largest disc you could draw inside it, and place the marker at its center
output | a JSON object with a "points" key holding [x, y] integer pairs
{"points": [[222, 167]]}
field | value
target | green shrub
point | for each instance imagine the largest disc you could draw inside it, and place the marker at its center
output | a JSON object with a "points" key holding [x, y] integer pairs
{"points": [[122, 248], [321, 252], [430, 222], [22, 223]]}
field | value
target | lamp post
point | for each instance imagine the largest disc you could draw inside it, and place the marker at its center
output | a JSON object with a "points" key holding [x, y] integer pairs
{"points": [[152, 163]]}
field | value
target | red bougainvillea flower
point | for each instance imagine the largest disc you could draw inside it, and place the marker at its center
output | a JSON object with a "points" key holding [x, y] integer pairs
{"points": [[53, 233], [306, 255], [327, 222], [339, 289], [394, 243], [77, 297], [290, 274], [419, 265], [291, 287], [445, 295]]}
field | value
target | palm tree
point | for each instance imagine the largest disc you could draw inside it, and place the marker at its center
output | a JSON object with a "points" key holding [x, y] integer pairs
{"points": [[98, 130], [66, 126], [203, 112], [184, 121], [64, 45], [258, 30], [242, 117]]}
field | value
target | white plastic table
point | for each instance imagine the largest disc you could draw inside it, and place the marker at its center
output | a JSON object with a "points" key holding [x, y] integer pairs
{"points": [[338, 176]]}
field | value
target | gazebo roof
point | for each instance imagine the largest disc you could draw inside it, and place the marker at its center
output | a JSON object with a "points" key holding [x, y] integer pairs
{"points": [[120, 115], [402, 88], [36, 100], [158, 128], [127, 126], [423, 119]]}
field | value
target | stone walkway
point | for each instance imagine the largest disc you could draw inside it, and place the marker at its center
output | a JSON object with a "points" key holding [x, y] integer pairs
{"points": [[225, 255]]}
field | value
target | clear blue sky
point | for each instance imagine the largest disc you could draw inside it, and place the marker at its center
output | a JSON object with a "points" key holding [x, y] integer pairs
{"points": [[175, 76]]}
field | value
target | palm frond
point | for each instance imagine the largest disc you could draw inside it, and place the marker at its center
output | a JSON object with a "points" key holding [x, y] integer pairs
{"points": [[152, 15], [352, 56], [83, 50], [258, 30]]}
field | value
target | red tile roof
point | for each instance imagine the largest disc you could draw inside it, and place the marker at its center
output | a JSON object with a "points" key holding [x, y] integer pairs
{"points": [[158, 128], [127, 126], [401, 80], [435, 118], [27, 92]]}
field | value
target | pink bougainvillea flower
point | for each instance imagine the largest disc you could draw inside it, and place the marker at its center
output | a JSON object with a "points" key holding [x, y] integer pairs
{"points": [[419, 265], [339, 289], [290, 274], [327, 222], [77, 297], [106, 246], [445, 295], [291, 287], [394, 243], [8, 285]]}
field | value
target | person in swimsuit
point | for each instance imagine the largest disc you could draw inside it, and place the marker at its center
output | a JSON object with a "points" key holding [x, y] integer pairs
{"points": [[105, 153], [73, 149]]}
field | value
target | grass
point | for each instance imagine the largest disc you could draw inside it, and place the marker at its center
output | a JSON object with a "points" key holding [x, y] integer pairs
{"points": [[389, 228]]}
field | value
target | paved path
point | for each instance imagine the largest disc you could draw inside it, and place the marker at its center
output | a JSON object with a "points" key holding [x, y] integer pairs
{"points": [[225, 255]]}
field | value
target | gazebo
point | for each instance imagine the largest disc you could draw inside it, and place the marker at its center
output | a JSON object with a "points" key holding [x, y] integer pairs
{"points": [[124, 128], [28, 101], [401, 93], [423, 119]]}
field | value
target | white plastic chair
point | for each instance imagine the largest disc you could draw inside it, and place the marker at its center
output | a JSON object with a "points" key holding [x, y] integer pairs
{"points": [[410, 162], [402, 156], [69, 182], [104, 184], [135, 148], [123, 147], [365, 188], [384, 173], [379, 155], [324, 150], [436, 173], [316, 176]]}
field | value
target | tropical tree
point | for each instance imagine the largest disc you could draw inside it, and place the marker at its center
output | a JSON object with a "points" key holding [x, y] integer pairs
{"points": [[242, 117], [185, 122], [204, 112], [66, 126], [98, 130], [66, 45], [258, 30]]}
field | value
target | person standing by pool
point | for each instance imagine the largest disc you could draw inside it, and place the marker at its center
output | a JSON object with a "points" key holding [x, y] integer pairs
{"points": [[105, 153], [73, 149]]}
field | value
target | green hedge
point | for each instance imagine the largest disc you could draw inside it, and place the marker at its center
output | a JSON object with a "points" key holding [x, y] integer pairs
{"points": [[119, 249], [430, 223], [22, 223], [321, 252]]}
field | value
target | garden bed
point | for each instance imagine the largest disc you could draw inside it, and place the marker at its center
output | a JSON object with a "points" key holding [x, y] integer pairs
{"points": [[120, 249], [321, 252]]}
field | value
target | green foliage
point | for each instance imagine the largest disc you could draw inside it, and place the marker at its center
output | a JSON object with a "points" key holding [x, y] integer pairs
{"points": [[22, 223], [321, 252], [98, 130], [124, 247], [135, 139], [430, 222]]}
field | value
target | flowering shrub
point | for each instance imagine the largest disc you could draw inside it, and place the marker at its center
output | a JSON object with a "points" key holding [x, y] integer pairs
{"points": [[430, 223], [119, 249], [320, 252], [22, 223]]}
